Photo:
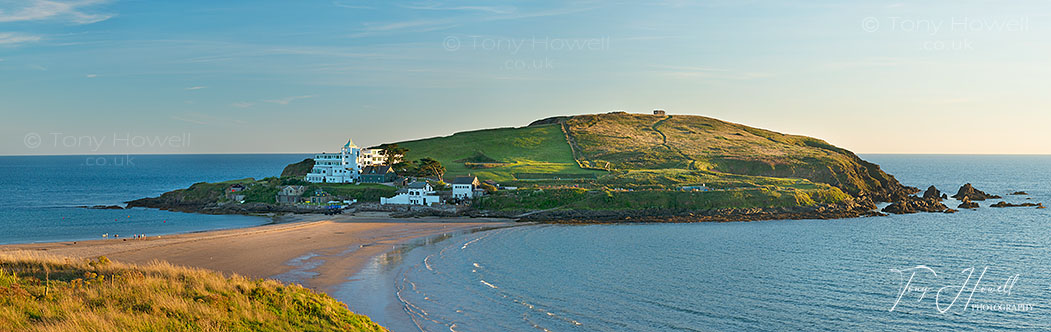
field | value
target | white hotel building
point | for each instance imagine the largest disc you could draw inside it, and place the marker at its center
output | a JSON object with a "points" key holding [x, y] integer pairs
{"points": [[345, 166]]}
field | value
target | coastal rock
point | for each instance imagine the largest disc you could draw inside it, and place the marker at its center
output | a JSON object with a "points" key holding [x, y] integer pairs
{"points": [[932, 193], [102, 207], [1019, 193], [298, 170], [1026, 204], [968, 204], [913, 204], [968, 191], [950, 210]]}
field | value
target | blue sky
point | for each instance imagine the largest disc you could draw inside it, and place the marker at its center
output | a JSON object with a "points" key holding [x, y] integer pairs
{"points": [[302, 76]]}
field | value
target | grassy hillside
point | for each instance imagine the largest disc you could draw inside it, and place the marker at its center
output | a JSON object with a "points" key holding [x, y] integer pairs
{"points": [[501, 154], [643, 151], [642, 141], [45, 293]]}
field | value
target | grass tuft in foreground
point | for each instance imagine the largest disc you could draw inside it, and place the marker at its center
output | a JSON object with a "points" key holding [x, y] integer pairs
{"points": [[48, 293]]}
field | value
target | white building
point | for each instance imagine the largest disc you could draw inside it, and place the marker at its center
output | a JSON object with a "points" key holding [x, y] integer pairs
{"points": [[342, 167], [464, 186], [419, 193], [345, 166], [372, 157]]}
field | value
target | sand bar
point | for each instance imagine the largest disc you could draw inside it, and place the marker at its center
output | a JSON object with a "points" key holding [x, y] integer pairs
{"points": [[340, 245]]}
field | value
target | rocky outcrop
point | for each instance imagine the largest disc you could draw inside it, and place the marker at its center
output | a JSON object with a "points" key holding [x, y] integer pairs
{"points": [[969, 192], [224, 208], [933, 193], [298, 170], [1019, 193], [102, 207], [913, 204], [967, 204], [1027, 204]]}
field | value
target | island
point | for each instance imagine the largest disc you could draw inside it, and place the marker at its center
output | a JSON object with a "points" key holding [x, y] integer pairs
{"points": [[594, 168]]}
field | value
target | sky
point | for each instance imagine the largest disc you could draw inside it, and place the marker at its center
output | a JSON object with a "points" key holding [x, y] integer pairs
{"points": [[136, 76]]}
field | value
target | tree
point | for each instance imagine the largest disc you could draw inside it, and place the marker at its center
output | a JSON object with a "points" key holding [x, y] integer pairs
{"points": [[406, 168], [392, 154], [430, 166]]}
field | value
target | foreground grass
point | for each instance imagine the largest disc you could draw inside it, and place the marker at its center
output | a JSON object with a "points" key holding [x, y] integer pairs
{"points": [[46, 293]]}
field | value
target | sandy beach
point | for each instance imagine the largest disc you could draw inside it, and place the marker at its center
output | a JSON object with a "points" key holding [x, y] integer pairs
{"points": [[339, 245]]}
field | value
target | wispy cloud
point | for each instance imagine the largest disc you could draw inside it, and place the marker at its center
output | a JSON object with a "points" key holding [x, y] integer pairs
{"points": [[37, 10], [482, 14], [706, 72], [413, 26], [91, 75], [242, 104], [438, 6], [873, 62], [196, 87], [350, 4], [194, 119], [12, 39], [288, 100]]}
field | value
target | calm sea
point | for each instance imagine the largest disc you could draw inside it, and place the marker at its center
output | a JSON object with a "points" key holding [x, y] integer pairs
{"points": [[39, 194], [988, 269]]}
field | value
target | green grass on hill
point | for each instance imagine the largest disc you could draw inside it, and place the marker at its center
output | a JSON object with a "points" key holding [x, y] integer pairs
{"points": [[510, 151], [677, 178], [47, 293], [642, 141]]}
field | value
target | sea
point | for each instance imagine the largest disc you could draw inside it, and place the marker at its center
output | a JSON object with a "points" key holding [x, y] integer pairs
{"points": [[975, 270], [40, 196], [987, 269]]}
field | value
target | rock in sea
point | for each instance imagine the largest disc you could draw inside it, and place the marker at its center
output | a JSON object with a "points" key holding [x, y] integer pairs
{"points": [[968, 191]]}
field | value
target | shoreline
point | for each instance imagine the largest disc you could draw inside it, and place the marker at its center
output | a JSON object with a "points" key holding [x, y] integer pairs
{"points": [[328, 250]]}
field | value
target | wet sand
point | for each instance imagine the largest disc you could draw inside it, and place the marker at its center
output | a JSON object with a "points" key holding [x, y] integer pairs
{"points": [[336, 247]]}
